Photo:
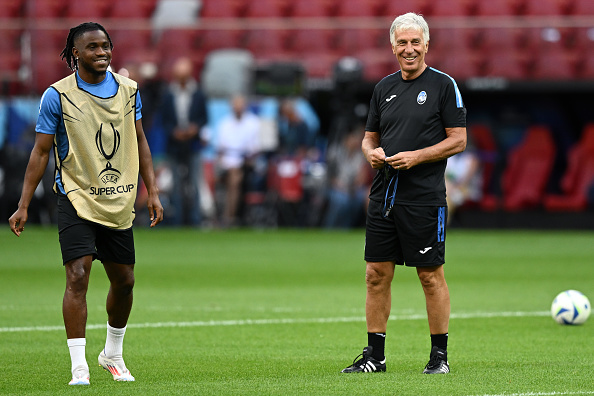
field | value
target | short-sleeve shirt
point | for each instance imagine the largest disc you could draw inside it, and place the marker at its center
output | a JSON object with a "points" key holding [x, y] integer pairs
{"points": [[411, 115], [50, 120]]}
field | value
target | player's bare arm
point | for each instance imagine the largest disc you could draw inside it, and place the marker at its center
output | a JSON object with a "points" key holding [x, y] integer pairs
{"points": [[454, 143], [374, 154], [148, 176], [35, 169]]}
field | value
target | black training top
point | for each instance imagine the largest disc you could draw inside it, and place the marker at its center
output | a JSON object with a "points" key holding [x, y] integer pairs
{"points": [[411, 115]]}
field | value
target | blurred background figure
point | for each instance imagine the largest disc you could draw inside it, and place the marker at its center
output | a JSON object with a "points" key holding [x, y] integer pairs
{"points": [[463, 179], [184, 116], [237, 143], [349, 180], [294, 134]]}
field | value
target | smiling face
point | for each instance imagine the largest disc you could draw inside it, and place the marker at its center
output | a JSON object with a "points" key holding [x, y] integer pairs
{"points": [[410, 49], [93, 51]]}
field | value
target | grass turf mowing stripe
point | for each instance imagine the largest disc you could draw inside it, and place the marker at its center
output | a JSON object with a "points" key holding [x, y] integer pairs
{"points": [[542, 394], [244, 322]]}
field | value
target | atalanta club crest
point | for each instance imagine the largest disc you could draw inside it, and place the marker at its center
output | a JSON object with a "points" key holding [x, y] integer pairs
{"points": [[422, 97], [109, 174]]}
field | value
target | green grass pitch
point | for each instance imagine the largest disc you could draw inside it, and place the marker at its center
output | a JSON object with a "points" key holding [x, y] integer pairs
{"points": [[282, 312]]}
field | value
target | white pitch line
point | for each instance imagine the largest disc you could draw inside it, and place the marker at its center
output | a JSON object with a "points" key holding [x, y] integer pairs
{"points": [[246, 322]]}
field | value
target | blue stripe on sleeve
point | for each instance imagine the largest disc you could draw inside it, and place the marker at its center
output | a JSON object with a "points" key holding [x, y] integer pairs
{"points": [[459, 102]]}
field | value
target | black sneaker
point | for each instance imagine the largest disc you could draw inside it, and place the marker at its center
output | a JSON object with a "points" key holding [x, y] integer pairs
{"points": [[366, 364], [438, 362]]}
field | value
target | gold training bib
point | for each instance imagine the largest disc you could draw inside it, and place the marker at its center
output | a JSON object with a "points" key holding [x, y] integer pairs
{"points": [[100, 171]]}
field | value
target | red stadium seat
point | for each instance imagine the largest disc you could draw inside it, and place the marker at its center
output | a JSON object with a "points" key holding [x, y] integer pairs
{"points": [[395, 8], [223, 8], [124, 39], [549, 7], [90, 10], [132, 9], [444, 40], [210, 40], [464, 65], [12, 8], [507, 64], [311, 8], [377, 64], [357, 8], [528, 169], [557, 64], [268, 44], [11, 41], [583, 7], [45, 8], [47, 68], [319, 65], [455, 7], [351, 41], [578, 177], [174, 43], [501, 7], [313, 41], [267, 9], [48, 40]]}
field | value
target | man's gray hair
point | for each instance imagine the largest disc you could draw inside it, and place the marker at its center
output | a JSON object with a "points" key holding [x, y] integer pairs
{"points": [[409, 21]]}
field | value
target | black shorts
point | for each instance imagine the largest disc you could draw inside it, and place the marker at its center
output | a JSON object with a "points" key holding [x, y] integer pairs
{"points": [[79, 237], [411, 235]]}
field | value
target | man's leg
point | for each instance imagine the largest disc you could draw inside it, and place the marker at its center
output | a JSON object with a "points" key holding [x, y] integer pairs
{"points": [[74, 311], [119, 305], [378, 277], [378, 303], [120, 296], [437, 299]]}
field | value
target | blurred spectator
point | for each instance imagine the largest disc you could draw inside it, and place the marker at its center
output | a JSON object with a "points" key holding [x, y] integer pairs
{"points": [[238, 142], [183, 116], [349, 181], [295, 135], [463, 179]]}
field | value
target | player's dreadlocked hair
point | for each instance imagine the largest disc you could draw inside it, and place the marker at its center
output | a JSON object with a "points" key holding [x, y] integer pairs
{"points": [[75, 33]]}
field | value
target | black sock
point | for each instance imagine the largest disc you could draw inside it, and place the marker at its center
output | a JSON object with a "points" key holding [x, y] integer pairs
{"points": [[378, 342], [440, 341]]}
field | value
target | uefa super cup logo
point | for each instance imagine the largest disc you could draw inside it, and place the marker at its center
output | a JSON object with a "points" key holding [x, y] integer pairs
{"points": [[112, 140]]}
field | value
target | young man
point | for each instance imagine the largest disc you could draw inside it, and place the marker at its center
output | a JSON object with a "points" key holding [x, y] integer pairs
{"points": [[92, 119], [416, 121]]}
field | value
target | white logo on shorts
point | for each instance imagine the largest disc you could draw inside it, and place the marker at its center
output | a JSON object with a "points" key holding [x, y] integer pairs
{"points": [[425, 250]]}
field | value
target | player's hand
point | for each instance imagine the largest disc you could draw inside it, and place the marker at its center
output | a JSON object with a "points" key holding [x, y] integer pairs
{"points": [[155, 209], [17, 221], [403, 160], [376, 158]]}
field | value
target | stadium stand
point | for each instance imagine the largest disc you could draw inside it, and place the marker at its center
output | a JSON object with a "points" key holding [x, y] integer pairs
{"points": [[44, 8], [312, 8], [358, 8], [395, 8], [11, 8], [223, 8], [267, 9], [578, 177], [528, 169], [132, 9], [268, 45], [501, 7], [583, 7], [88, 10], [455, 8]]}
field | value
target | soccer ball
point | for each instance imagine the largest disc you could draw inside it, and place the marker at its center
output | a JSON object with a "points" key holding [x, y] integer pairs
{"points": [[570, 307]]}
